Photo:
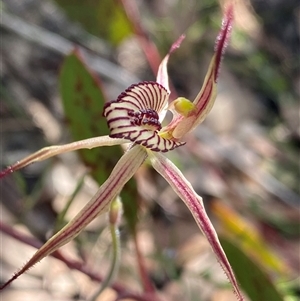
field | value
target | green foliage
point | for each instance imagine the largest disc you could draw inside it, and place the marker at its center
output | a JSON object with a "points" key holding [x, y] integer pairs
{"points": [[251, 277], [105, 18]]}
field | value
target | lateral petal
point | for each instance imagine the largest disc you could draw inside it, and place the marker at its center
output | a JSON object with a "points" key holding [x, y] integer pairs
{"points": [[205, 99], [121, 174], [50, 151], [194, 202], [203, 104]]}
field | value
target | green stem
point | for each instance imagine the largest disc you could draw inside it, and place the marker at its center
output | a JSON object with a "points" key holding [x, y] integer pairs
{"points": [[60, 219], [115, 261]]}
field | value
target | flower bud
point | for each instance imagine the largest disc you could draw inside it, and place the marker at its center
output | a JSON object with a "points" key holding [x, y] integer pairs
{"points": [[116, 211]]}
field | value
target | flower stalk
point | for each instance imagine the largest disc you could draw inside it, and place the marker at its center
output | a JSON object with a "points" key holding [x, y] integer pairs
{"points": [[114, 218]]}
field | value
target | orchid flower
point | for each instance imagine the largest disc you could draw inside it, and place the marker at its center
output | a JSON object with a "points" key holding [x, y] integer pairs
{"points": [[136, 116]]}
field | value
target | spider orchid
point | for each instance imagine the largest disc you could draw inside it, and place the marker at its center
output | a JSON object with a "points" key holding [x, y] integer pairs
{"points": [[136, 116]]}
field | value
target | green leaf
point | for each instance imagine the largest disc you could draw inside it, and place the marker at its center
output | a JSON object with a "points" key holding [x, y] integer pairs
{"points": [[247, 237], [105, 18], [83, 102], [253, 280]]}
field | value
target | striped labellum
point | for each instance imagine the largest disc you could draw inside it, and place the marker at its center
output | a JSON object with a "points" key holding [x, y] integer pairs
{"points": [[135, 116]]}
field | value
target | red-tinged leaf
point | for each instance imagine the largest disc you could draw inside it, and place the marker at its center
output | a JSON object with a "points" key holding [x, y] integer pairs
{"points": [[251, 277], [83, 101]]}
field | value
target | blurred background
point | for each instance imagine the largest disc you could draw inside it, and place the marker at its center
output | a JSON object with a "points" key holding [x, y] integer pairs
{"points": [[243, 160]]}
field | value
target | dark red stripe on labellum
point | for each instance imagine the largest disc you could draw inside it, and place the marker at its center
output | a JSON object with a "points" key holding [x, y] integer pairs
{"points": [[135, 116]]}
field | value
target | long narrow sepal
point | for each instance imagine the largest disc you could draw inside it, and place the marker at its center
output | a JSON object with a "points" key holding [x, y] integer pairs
{"points": [[222, 39], [162, 73], [194, 202], [121, 174], [50, 151], [205, 99]]}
